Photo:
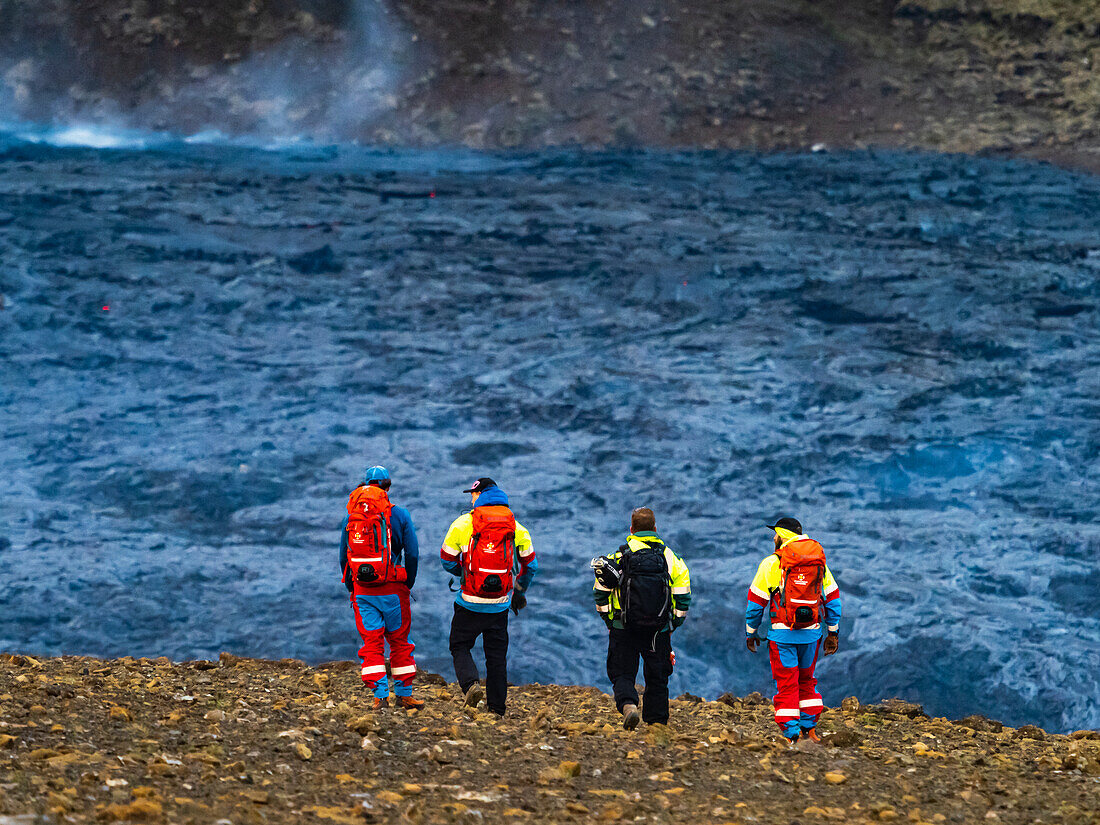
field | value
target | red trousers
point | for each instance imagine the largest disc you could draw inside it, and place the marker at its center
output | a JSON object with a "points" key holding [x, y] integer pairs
{"points": [[797, 702], [381, 619]]}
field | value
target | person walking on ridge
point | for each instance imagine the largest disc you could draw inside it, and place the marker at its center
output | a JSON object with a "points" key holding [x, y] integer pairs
{"points": [[492, 556], [378, 556], [642, 592], [798, 588]]}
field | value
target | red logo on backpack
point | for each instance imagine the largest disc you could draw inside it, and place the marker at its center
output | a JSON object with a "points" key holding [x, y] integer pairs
{"points": [[797, 604], [370, 554], [488, 565]]}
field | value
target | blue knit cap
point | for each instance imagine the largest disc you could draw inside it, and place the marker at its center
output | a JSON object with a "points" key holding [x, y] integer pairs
{"points": [[376, 473]]}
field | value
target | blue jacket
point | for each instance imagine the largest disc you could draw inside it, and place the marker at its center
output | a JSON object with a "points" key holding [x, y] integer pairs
{"points": [[458, 539], [406, 549]]}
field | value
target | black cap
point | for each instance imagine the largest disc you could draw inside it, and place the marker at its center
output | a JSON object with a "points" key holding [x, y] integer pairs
{"points": [[787, 523], [481, 485]]}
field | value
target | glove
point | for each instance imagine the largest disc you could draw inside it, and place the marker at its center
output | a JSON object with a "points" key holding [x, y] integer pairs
{"points": [[832, 643], [519, 601], [677, 621], [752, 642]]}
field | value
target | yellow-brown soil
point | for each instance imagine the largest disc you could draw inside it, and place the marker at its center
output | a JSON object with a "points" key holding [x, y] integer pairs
{"points": [[243, 740]]}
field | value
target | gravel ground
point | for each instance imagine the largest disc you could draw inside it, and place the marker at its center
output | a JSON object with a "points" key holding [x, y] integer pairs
{"points": [[246, 740]]}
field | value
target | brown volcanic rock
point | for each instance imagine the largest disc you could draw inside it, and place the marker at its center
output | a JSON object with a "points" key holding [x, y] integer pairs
{"points": [[283, 742], [752, 74]]}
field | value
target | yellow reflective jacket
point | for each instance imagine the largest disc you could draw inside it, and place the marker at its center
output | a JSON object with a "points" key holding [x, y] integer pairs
{"points": [[767, 582], [607, 600], [457, 541]]}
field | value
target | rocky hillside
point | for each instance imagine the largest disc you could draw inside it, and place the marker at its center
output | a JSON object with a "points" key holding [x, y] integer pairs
{"points": [[957, 75], [1008, 76], [243, 740]]}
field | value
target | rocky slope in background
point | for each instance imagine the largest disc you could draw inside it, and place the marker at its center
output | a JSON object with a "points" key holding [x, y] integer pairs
{"points": [[1015, 76], [245, 740]]}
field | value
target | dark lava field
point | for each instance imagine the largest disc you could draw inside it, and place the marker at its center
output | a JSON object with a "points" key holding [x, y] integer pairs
{"points": [[201, 348]]}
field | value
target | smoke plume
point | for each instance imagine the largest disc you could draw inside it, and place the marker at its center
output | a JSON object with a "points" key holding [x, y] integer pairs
{"points": [[316, 71]]}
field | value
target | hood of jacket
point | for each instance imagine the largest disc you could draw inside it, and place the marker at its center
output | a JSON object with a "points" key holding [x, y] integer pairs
{"points": [[636, 541], [490, 497]]}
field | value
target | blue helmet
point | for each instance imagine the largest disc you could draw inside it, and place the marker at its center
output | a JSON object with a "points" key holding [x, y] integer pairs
{"points": [[376, 473]]}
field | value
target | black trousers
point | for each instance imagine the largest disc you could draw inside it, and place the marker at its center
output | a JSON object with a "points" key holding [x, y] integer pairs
{"points": [[466, 626], [624, 648]]}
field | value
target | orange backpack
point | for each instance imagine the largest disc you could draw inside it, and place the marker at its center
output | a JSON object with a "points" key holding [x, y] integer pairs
{"points": [[488, 563], [370, 552], [798, 601]]}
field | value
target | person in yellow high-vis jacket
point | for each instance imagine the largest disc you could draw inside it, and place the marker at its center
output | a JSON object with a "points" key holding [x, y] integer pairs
{"points": [[481, 614], [793, 647], [643, 629]]}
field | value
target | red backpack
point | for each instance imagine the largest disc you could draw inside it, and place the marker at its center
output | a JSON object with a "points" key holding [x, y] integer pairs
{"points": [[488, 563], [798, 602], [370, 553]]}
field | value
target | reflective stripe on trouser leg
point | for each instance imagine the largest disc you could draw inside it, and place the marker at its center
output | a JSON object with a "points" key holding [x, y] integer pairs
{"points": [[402, 664], [784, 661], [809, 700], [369, 622]]}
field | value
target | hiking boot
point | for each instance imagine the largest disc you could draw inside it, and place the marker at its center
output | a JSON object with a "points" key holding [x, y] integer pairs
{"points": [[409, 703], [810, 735], [474, 695], [631, 717], [381, 703], [791, 740]]}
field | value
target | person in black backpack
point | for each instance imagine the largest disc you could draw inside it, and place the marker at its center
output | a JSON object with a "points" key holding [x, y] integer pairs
{"points": [[642, 592]]}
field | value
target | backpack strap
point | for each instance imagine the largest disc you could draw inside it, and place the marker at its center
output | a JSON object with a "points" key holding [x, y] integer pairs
{"points": [[658, 544], [782, 579]]}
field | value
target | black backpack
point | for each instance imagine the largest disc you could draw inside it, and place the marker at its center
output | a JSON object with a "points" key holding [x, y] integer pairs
{"points": [[645, 591]]}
